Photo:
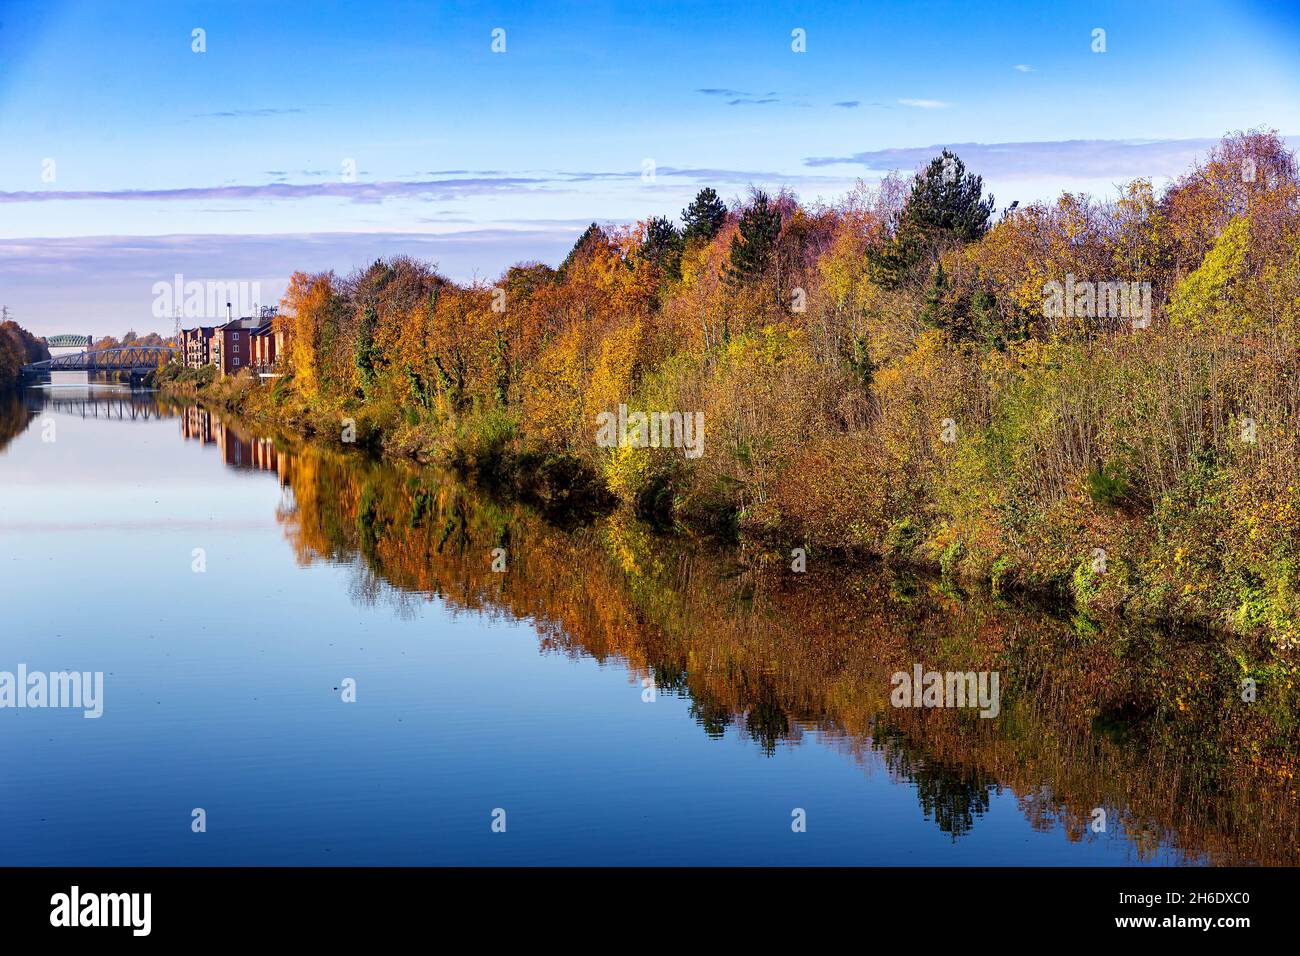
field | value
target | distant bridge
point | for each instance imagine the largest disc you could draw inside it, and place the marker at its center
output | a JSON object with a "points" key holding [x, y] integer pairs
{"points": [[68, 341], [137, 359]]}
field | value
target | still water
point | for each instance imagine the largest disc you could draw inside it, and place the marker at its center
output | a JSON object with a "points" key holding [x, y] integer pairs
{"points": [[623, 697]]}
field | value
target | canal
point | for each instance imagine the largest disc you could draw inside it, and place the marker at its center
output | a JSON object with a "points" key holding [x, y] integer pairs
{"points": [[311, 657]]}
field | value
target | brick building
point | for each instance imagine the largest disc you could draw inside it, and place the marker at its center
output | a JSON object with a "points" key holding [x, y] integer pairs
{"points": [[196, 346], [248, 342], [268, 348], [231, 347]]}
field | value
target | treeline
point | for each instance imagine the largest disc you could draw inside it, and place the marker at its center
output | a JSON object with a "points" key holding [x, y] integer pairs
{"points": [[18, 347], [1097, 397], [133, 338]]}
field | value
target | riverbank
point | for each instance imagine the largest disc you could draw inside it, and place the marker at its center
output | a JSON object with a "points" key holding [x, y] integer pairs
{"points": [[561, 486], [1106, 584]]}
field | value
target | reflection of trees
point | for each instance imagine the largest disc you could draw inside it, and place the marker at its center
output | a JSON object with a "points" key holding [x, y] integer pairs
{"points": [[767, 724], [1145, 724], [953, 797], [13, 416], [952, 800], [712, 716]]}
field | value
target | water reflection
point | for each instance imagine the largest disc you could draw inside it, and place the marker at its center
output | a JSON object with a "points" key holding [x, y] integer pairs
{"points": [[18, 407], [238, 450], [1145, 725], [96, 402], [14, 415]]}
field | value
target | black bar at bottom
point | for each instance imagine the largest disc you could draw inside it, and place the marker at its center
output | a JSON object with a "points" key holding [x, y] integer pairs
{"points": [[301, 904]]}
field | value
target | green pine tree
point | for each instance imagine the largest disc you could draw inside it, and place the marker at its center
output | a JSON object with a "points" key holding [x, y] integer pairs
{"points": [[663, 246], [755, 242], [934, 313], [704, 217], [945, 208]]}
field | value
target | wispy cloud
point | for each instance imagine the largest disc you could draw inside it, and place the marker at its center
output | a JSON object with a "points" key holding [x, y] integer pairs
{"points": [[361, 192], [448, 189], [848, 104], [1025, 68], [246, 114], [1078, 158], [743, 97], [926, 104]]}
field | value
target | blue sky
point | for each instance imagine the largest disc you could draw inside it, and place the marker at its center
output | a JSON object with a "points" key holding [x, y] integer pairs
{"points": [[234, 163]]}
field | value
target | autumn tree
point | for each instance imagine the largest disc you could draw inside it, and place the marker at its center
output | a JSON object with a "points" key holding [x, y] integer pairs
{"points": [[365, 354], [1250, 173], [310, 311], [18, 347], [592, 239]]}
